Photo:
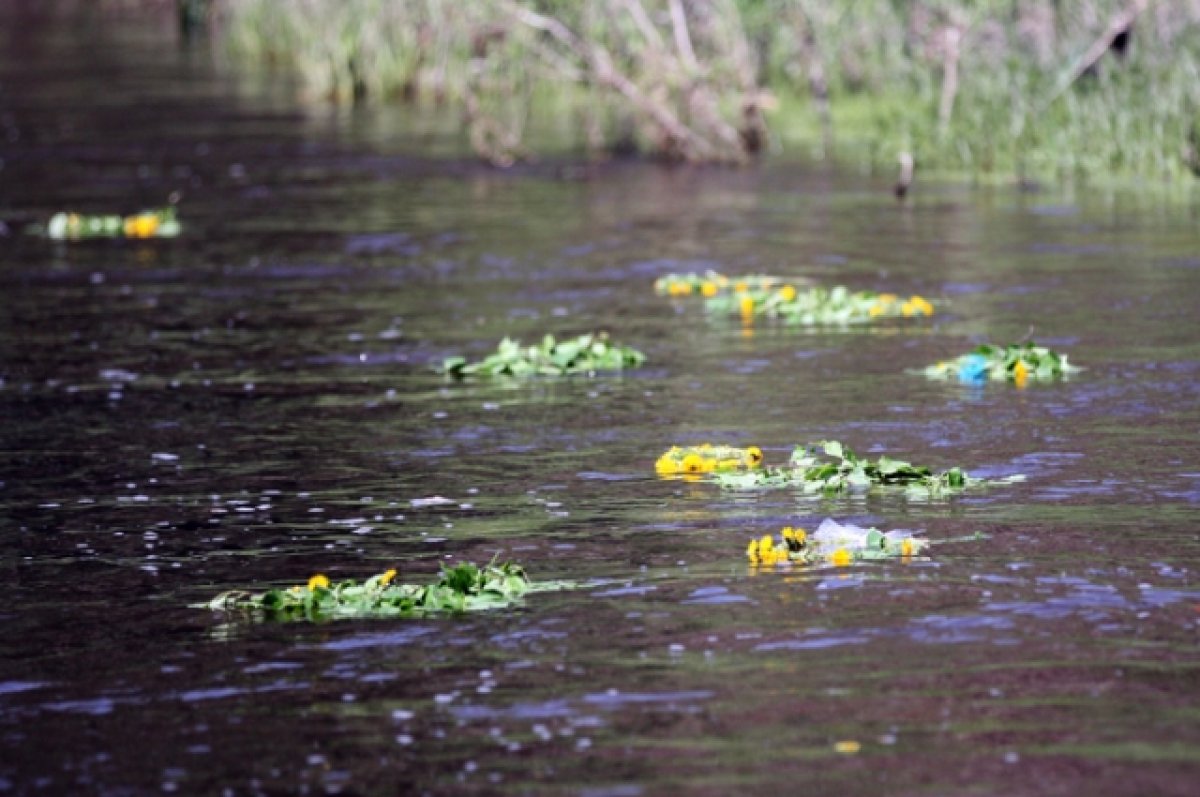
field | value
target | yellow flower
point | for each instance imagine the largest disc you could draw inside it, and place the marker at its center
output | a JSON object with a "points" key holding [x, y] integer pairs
{"points": [[740, 286], [766, 547], [787, 533], [840, 558], [907, 310], [847, 747], [747, 306], [787, 293], [693, 463], [888, 298], [387, 577], [318, 580], [685, 289], [906, 547], [754, 456], [708, 464], [752, 552], [666, 465], [708, 289], [876, 310], [921, 304], [1020, 373], [143, 225]]}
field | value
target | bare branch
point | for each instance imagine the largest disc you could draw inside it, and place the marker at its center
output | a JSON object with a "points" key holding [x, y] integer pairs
{"points": [[683, 40], [1121, 23]]}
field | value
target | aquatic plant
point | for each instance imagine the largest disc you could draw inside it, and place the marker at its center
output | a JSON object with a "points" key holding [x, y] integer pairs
{"points": [[764, 295], [1017, 363], [458, 589], [160, 223], [710, 283], [585, 354], [707, 458], [835, 469], [833, 543]]}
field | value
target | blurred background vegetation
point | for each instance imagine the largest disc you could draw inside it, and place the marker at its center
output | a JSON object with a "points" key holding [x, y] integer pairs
{"points": [[1015, 88]]}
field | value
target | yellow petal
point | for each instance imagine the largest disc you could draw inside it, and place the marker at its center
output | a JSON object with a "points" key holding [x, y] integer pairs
{"points": [[840, 558], [319, 580]]}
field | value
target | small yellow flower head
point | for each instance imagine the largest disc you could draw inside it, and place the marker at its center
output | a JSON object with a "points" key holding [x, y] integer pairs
{"points": [[766, 548], [787, 533], [847, 747], [840, 558], [141, 226], [728, 464], [667, 465], [387, 577], [888, 298], [740, 287], [921, 304], [800, 536], [708, 464], [876, 310], [908, 310], [1020, 373], [752, 552], [754, 456], [685, 289], [709, 289], [318, 580], [787, 293], [693, 463], [747, 306], [906, 547]]}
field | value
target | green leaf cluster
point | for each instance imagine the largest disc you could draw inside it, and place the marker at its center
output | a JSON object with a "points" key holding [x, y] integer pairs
{"points": [[835, 469], [818, 306], [1016, 362], [765, 295], [834, 543], [462, 588], [159, 223], [585, 354], [711, 283]]}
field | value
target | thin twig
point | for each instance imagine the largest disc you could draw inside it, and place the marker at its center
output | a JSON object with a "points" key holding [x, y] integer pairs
{"points": [[683, 40]]}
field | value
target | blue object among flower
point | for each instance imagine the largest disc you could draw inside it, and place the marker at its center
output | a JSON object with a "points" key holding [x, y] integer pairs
{"points": [[973, 368]]}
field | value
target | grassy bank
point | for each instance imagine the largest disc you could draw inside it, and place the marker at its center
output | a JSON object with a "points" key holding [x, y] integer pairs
{"points": [[1025, 88]]}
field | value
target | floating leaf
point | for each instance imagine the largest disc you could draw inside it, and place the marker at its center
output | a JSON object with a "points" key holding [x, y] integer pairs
{"points": [[462, 588], [585, 354], [160, 223], [830, 468], [1017, 363], [834, 544], [763, 295]]}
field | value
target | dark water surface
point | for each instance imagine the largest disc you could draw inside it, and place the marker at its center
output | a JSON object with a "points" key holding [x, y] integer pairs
{"points": [[253, 402]]}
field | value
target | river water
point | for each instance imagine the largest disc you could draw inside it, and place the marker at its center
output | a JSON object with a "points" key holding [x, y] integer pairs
{"points": [[254, 402]]}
